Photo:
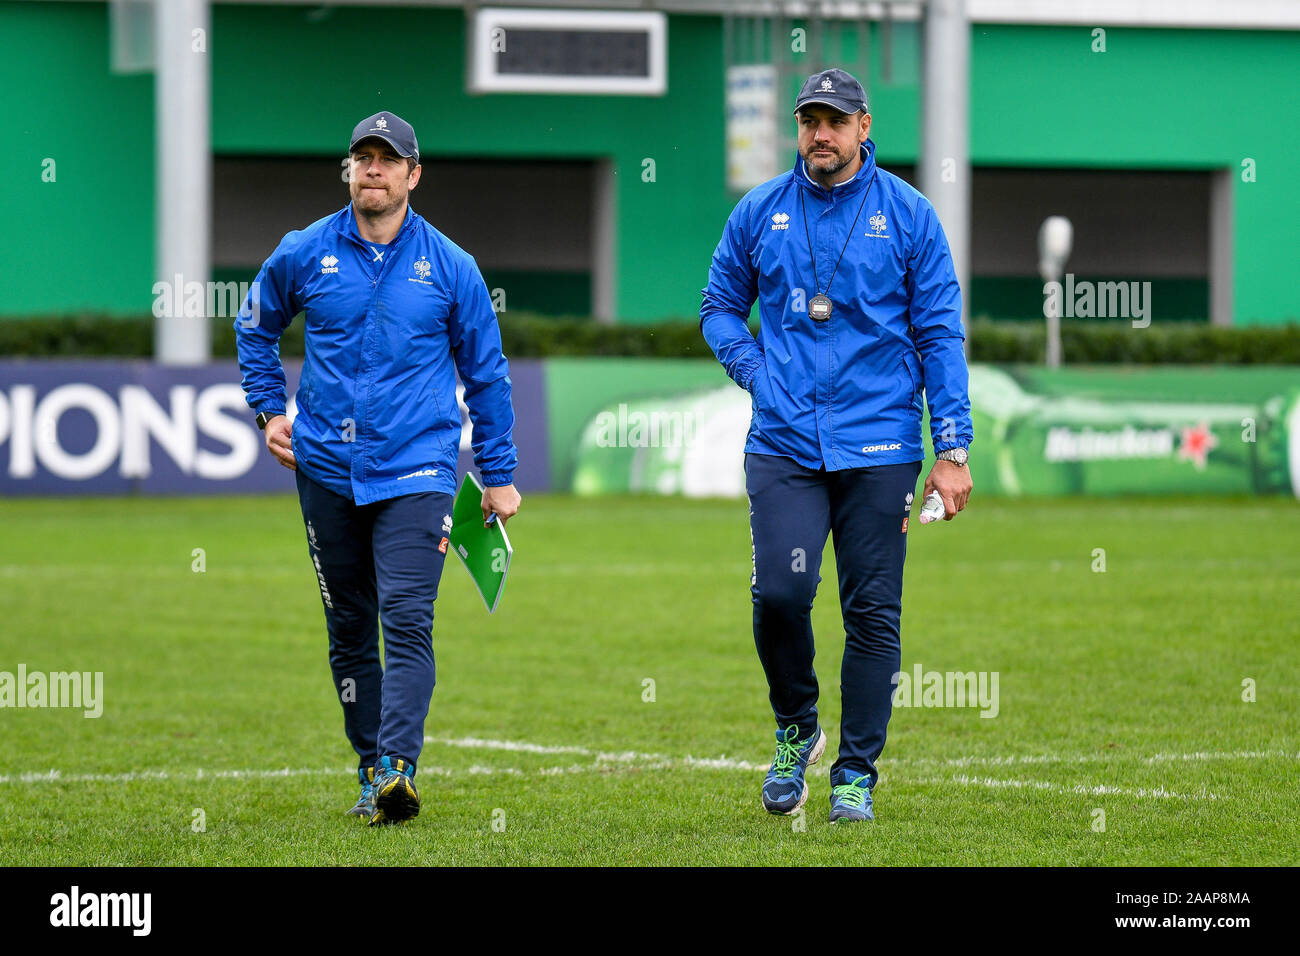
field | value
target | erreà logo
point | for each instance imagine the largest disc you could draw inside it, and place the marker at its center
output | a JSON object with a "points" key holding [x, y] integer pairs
{"points": [[781, 221], [329, 265]]}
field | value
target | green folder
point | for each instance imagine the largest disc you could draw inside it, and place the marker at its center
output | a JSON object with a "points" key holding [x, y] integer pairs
{"points": [[485, 552]]}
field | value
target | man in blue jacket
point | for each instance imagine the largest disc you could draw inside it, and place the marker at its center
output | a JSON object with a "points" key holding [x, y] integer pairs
{"points": [[393, 310], [859, 312]]}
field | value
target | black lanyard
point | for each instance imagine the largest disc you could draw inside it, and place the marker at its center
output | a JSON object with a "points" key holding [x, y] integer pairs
{"points": [[820, 306]]}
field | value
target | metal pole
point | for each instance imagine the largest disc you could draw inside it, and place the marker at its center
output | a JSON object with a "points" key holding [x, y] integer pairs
{"points": [[183, 177], [1052, 358], [1055, 240], [945, 172], [886, 45]]}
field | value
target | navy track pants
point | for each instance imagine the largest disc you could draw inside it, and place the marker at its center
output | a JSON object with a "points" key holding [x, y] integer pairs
{"points": [[792, 509], [379, 563]]}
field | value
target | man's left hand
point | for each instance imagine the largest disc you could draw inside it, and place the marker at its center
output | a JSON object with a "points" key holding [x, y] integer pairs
{"points": [[953, 483], [502, 500]]}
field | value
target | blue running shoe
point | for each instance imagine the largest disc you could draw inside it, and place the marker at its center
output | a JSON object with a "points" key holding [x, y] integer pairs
{"points": [[851, 801], [365, 805], [784, 788], [396, 798]]}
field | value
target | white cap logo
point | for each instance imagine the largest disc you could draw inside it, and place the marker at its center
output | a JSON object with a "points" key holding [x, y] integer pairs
{"points": [[826, 85], [381, 123]]}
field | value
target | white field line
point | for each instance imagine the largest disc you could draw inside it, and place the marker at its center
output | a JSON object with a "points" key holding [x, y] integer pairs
{"points": [[1149, 760], [199, 774], [728, 763], [1100, 789], [602, 761], [54, 776], [650, 760]]}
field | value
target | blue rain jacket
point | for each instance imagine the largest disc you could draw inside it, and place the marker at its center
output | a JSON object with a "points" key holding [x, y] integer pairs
{"points": [[377, 412], [845, 393]]}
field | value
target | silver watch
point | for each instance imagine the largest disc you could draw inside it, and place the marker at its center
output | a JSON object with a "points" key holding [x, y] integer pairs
{"points": [[958, 456]]}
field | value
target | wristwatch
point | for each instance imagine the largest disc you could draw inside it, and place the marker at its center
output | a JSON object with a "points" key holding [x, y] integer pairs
{"points": [[264, 417], [958, 456]]}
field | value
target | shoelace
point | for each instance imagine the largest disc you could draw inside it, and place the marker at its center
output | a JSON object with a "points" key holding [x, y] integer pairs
{"points": [[854, 794], [382, 771], [787, 754]]}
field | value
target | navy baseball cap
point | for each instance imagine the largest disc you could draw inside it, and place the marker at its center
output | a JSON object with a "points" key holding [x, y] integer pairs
{"points": [[392, 129], [833, 88]]}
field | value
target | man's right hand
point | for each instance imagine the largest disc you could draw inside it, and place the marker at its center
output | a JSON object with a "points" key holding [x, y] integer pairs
{"points": [[278, 432]]}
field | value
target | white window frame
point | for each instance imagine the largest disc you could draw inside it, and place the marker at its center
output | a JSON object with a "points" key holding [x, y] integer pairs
{"points": [[484, 77]]}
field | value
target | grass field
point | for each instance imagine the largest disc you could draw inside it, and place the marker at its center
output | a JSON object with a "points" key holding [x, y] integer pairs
{"points": [[1119, 691]]}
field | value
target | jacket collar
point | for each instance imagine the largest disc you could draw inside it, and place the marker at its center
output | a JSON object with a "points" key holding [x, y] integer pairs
{"points": [[345, 224], [849, 187]]}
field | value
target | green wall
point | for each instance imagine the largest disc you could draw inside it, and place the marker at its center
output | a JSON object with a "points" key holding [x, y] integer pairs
{"points": [[275, 92], [290, 80], [84, 241], [1167, 99]]}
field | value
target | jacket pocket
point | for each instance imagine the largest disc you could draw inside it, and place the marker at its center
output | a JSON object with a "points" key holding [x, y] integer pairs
{"points": [[911, 379], [760, 391]]}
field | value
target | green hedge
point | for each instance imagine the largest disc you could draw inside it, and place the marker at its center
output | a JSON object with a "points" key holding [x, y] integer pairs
{"points": [[530, 336]]}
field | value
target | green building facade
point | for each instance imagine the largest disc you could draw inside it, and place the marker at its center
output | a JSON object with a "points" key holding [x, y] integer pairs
{"points": [[1208, 116]]}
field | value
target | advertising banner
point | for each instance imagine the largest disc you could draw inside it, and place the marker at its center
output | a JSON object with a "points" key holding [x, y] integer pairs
{"points": [[664, 426], [753, 115], [1078, 431], [134, 427]]}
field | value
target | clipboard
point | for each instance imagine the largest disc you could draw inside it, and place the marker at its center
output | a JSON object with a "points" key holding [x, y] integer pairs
{"points": [[485, 552]]}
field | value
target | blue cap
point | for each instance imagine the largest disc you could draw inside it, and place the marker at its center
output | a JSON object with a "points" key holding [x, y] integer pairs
{"points": [[833, 88], [392, 129]]}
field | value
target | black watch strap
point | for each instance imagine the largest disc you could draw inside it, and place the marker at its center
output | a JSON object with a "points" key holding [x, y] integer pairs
{"points": [[264, 417]]}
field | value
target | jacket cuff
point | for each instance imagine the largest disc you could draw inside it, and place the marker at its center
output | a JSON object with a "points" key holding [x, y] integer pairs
{"points": [[745, 372], [940, 445], [497, 479]]}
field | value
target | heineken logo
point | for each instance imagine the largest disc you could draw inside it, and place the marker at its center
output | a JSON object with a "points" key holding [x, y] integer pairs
{"points": [[1088, 444], [1094, 444], [1196, 446]]}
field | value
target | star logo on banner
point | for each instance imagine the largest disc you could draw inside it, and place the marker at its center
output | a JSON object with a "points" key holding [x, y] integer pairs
{"points": [[1196, 446]]}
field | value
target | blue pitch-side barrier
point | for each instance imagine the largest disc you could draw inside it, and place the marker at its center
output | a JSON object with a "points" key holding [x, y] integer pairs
{"points": [[133, 427]]}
